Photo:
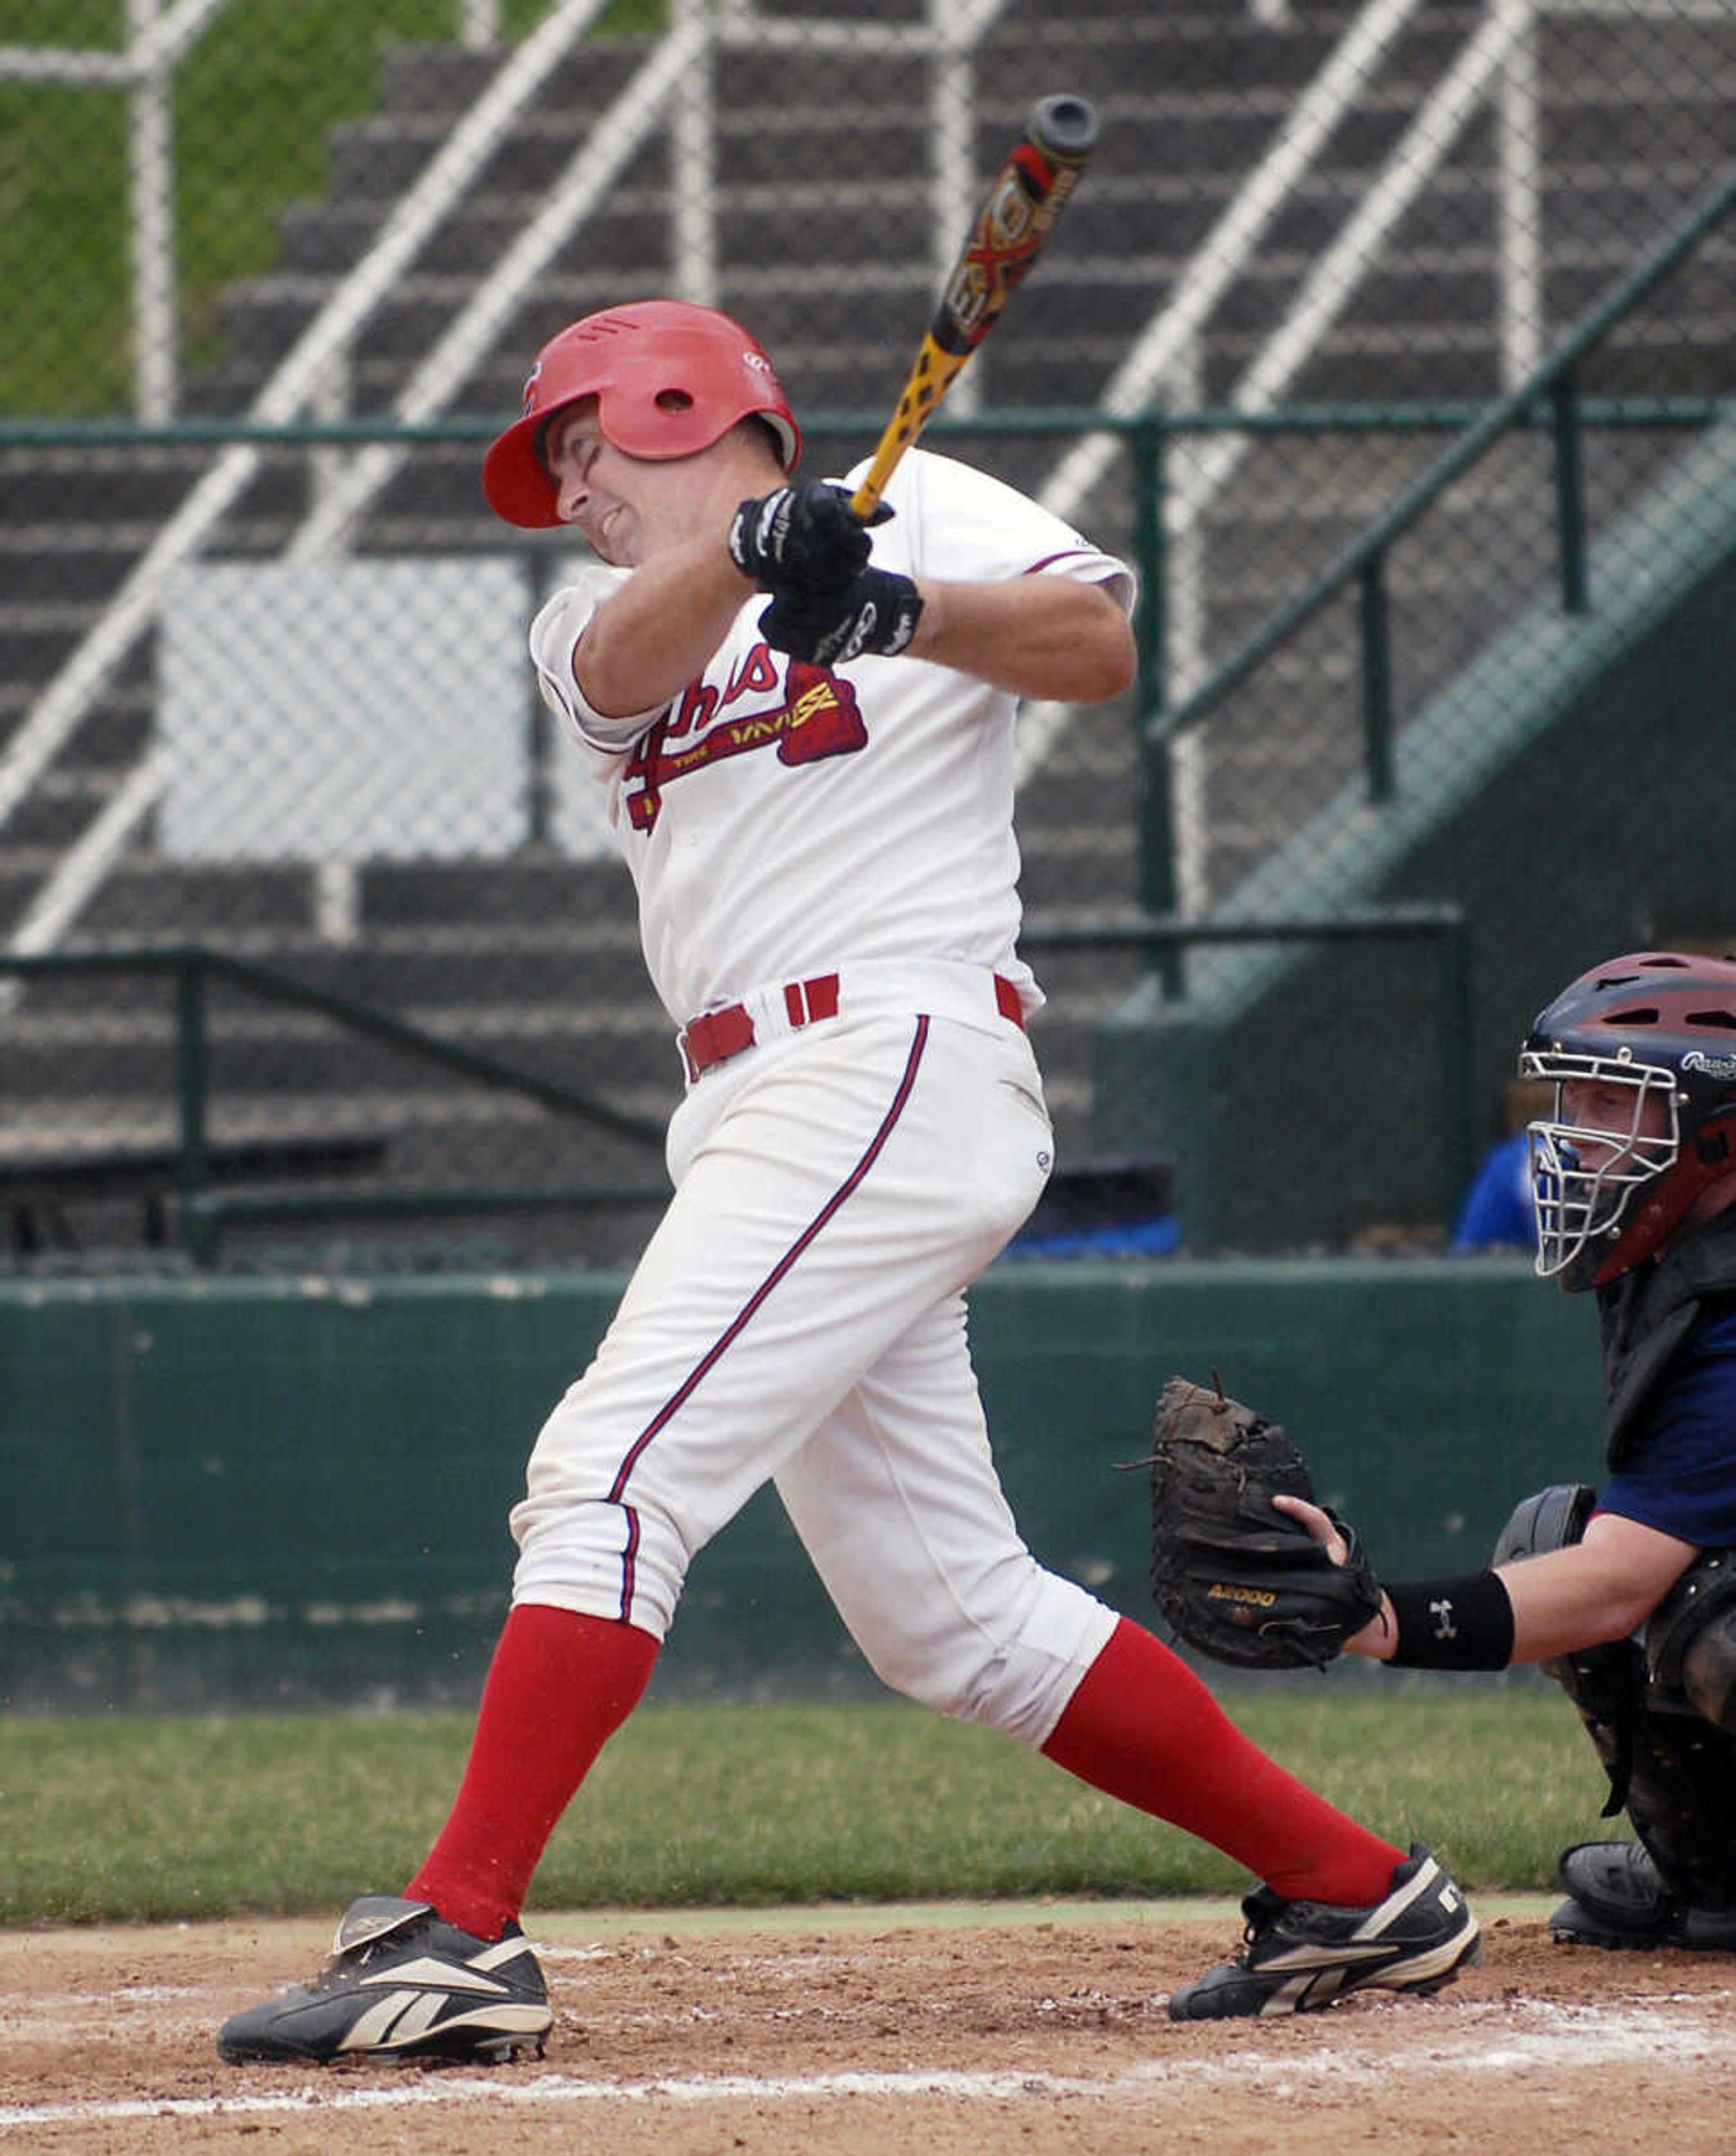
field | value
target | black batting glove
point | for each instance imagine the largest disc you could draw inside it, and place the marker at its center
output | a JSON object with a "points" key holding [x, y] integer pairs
{"points": [[877, 612], [803, 534]]}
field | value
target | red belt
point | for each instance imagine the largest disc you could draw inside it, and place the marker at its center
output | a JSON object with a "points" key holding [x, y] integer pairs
{"points": [[719, 1034]]}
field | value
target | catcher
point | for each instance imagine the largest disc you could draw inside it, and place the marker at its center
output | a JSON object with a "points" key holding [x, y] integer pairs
{"points": [[1624, 1594]]}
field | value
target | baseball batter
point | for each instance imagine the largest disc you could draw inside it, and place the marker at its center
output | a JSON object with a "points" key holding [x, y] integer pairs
{"points": [[804, 730]]}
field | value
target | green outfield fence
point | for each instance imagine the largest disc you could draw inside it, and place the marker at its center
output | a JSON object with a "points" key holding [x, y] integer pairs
{"points": [[286, 1490], [1391, 339]]}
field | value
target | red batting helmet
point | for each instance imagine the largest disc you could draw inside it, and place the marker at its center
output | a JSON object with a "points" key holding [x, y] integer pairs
{"points": [[670, 378], [1660, 1026]]}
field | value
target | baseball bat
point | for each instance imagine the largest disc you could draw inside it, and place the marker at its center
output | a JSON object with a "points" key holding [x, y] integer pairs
{"points": [[1028, 194]]}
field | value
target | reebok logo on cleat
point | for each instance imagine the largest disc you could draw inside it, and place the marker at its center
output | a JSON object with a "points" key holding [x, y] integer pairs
{"points": [[1313, 1957], [441, 1975], [407, 2017]]}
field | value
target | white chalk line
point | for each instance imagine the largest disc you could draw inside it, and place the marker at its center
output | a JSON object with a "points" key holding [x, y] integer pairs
{"points": [[1532, 2035]]}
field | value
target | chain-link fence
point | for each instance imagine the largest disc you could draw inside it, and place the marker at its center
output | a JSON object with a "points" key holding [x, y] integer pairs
{"points": [[274, 275]]}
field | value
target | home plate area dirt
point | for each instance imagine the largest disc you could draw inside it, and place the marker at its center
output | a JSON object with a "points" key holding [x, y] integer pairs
{"points": [[954, 2033]]}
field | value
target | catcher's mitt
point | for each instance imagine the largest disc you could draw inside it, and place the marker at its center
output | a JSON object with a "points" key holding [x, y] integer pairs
{"points": [[1233, 1577]]}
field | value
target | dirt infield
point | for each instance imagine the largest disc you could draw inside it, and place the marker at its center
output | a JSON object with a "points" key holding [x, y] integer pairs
{"points": [[859, 2032]]}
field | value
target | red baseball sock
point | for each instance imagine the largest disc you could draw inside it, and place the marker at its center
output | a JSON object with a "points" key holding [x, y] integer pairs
{"points": [[1142, 1728], [559, 1686]]}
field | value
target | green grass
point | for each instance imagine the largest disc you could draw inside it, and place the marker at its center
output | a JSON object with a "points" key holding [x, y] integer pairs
{"points": [[143, 1818], [254, 102]]}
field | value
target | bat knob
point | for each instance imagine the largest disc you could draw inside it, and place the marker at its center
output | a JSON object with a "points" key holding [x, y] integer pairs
{"points": [[1064, 126]]}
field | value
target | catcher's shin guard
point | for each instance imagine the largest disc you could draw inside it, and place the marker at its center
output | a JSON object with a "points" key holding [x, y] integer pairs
{"points": [[1681, 1794], [1690, 1641], [1681, 1798]]}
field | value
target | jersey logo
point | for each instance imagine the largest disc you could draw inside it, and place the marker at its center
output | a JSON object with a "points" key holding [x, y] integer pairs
{"points": [[817, 717]]}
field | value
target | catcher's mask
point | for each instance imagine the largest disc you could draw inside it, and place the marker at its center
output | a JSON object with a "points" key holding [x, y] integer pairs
{"points": [[1658, 1027], [670, 379]]}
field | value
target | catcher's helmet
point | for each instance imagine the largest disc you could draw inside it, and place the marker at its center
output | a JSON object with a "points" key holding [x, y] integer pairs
{"points": [[1660, 1025], [669, 377]]}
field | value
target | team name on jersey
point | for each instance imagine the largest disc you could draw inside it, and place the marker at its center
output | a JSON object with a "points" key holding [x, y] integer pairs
{"points": [[815, 716]]}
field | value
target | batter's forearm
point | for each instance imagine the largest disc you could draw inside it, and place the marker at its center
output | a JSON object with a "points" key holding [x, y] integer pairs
{"points": [[655, 634], [1035, 636]]}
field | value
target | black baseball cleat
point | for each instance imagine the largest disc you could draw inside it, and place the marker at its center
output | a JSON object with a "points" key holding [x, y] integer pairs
{"points": [[1299, 1955], [401, 1984], [1618, 1899]]}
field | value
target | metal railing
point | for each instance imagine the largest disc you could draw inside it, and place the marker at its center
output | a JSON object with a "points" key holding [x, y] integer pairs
{"points": [[206, 1212], [1550, 397]]}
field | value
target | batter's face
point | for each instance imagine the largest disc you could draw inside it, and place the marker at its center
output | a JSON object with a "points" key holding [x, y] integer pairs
{"points": [[627, 507]]}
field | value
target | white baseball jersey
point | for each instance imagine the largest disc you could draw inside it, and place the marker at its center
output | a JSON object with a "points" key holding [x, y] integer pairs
{"points": [[784, 820]]}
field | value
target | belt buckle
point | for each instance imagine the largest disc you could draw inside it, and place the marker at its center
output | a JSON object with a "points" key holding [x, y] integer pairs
{"points": [[714, 1037]]}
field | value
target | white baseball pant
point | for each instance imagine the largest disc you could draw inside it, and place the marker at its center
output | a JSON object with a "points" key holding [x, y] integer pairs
{"points": [[799, 1316]]}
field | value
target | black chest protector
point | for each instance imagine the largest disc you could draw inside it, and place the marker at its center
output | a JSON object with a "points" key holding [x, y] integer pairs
{"points": [[1647, 1314]]}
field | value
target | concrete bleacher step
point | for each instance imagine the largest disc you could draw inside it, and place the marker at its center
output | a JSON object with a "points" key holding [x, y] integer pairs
{"points": [[254, 1049], [383, 156], [151, 896], [425, 969], [436, 1132], [62, 562], [527, 888], [48, 487], [59, 809]]}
